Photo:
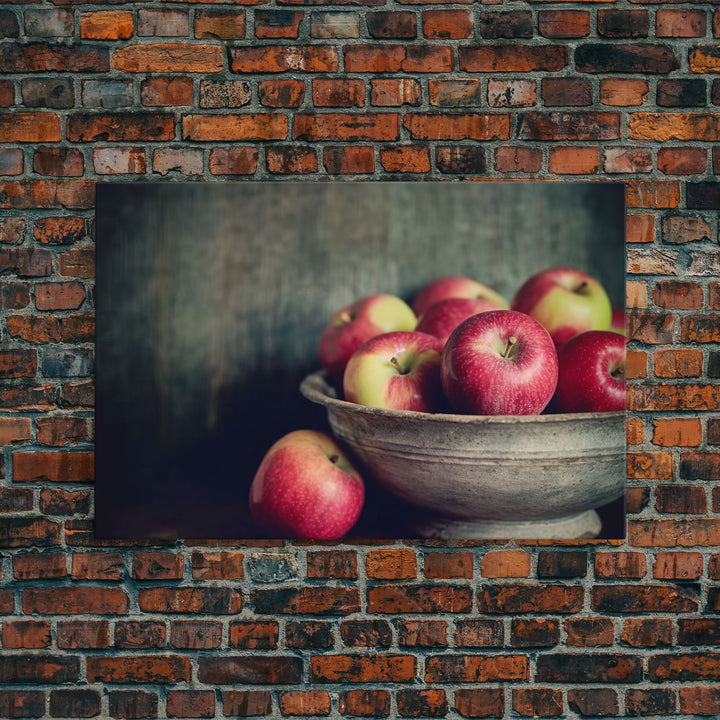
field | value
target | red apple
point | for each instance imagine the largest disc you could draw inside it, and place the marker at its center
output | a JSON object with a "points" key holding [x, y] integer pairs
{"points": [[591, 373], [455, 286], [350, 327], [565, 301], [399, 370], [500, 362], [442, 317], [617, 323], [306, 488]]}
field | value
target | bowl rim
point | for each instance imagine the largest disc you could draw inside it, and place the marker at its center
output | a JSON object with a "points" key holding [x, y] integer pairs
{"points": [[316, 389]]}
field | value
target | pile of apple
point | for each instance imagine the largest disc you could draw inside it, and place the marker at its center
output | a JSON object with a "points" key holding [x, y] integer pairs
{"points": [[460, 347]]}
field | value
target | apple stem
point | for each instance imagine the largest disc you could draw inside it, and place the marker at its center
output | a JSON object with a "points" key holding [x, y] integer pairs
{"points": [[511, 342], [334, 459], [345, 318], [619, 372], [581, 286]]}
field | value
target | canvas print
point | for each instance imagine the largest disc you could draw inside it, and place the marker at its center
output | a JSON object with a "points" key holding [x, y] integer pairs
{"points": [[326, 361]]}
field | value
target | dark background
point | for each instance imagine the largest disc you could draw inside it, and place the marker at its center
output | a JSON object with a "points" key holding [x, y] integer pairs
{"points": [[211, 299]]}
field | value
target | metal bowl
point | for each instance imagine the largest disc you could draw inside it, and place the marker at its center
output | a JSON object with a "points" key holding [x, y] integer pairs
{"points": [[489, 477]]}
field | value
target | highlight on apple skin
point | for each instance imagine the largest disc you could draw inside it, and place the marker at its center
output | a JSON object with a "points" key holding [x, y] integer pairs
{"points": [[501, 362], [565, 301], [353, 325], [591, 373], [442, 317], [398, 371], [455, 286], [306, 488]]}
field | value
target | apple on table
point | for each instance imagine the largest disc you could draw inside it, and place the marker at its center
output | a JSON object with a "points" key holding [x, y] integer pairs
{"points": [[353, 325], [442, 317], [307, 488], [501, 362], [591, 373], [565, 301], [455, 286], [398, 371]]}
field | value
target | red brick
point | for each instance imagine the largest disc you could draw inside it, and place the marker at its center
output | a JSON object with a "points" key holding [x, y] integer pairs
{"points": [[422, 633], [699, 700], [419, 599], [59, 431], [253, 635], [620, 564], [39, 668], [277, 23], [650, 701], [460, 159], [529, 598], [652, 328], [573, 92], [314, 634], [135, 634], [12, 230], [120, 127], [157, 566], [166, 91], [573, 125], [208, 600], [30, 127], [463, 92], [635, 431], [26, 262], [39, 566], [59, 295], [77, 263], [246, 702], [75, 600], [533, 633], [682, 161], [26, 634], [447, 24], [308, 702], [678, 565], [281, 93], [681, 499], [445, 565], [224, 128], [623, 93], [156, 22], [168, 57], [59, 230], [220, 24], [97, 566], [678, 363], [509, 159], [537, 702], [219, 565], [349, 159], [505, 563], [564, 23], [58, 162], [512, 93], [196, 634], [233, 161], [346, 127], [678, 295], [480, 702], [636, 365], [22, 703], [394, 92], [628, 160], [138, 669], [573, 160], [341, 564], [673, 432], [478, 633], [338, 92], [279, 58], [673, 532], [106, 25], [680, 23], [53, 466], [650, 464], [405, 158], [699, 329], [471, 126], [647, 632], [590, 632], [366, 633], [376, 668], [476, 668], [191, 703], [365, 703], [661, 127], [512, 57], [428, 702], [57, 194]]}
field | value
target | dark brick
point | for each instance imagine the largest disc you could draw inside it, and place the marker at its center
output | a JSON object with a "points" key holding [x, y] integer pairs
{"points": [[365, 703], [39, 669], [703, 195], [644, 598], [479, 633], [630, 58], [133, 704], [9, 26], [651, 701], [366, 633], [698, 631], [246, 703], [514, 24], [76, 702], [460, 159], [591, 668], [306, 601], [480, 702], [253, 669], [513, 599], [391, 24], [529, 633], [684, 667], [309, 634], [593, 702], [622, 23], [428, 702], [681, 93], [568, 564], [47, 57], [568, 126]]}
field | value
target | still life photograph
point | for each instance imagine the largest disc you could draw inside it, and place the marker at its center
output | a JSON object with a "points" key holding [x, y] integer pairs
{"points": [[329, 361]]}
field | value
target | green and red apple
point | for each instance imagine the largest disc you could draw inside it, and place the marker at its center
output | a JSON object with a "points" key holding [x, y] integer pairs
{"points": [[455, 286], [350, 327], [565, 301]]}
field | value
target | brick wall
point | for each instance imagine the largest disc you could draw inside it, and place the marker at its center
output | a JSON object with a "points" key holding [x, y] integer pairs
{"points": [[359, 89]]}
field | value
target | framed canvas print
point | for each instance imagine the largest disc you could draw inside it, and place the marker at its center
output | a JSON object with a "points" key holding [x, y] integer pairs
{"points": [[360, 360]]}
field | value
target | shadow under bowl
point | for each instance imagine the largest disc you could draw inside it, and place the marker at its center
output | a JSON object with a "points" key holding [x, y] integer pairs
{"points": [[486, 477]]}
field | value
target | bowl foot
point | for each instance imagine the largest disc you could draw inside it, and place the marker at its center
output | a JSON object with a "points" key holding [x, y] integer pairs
{"points": [[584, 525]]}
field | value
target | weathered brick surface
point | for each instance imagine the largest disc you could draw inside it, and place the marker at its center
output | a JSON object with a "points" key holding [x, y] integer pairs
{"points": [[359, 89]]}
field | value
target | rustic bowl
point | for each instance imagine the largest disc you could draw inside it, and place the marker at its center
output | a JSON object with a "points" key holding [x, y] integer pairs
{"points": [[490, 477]]}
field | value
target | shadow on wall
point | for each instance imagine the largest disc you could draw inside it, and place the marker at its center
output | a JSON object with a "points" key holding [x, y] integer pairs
{"points": [[211, 300]]}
